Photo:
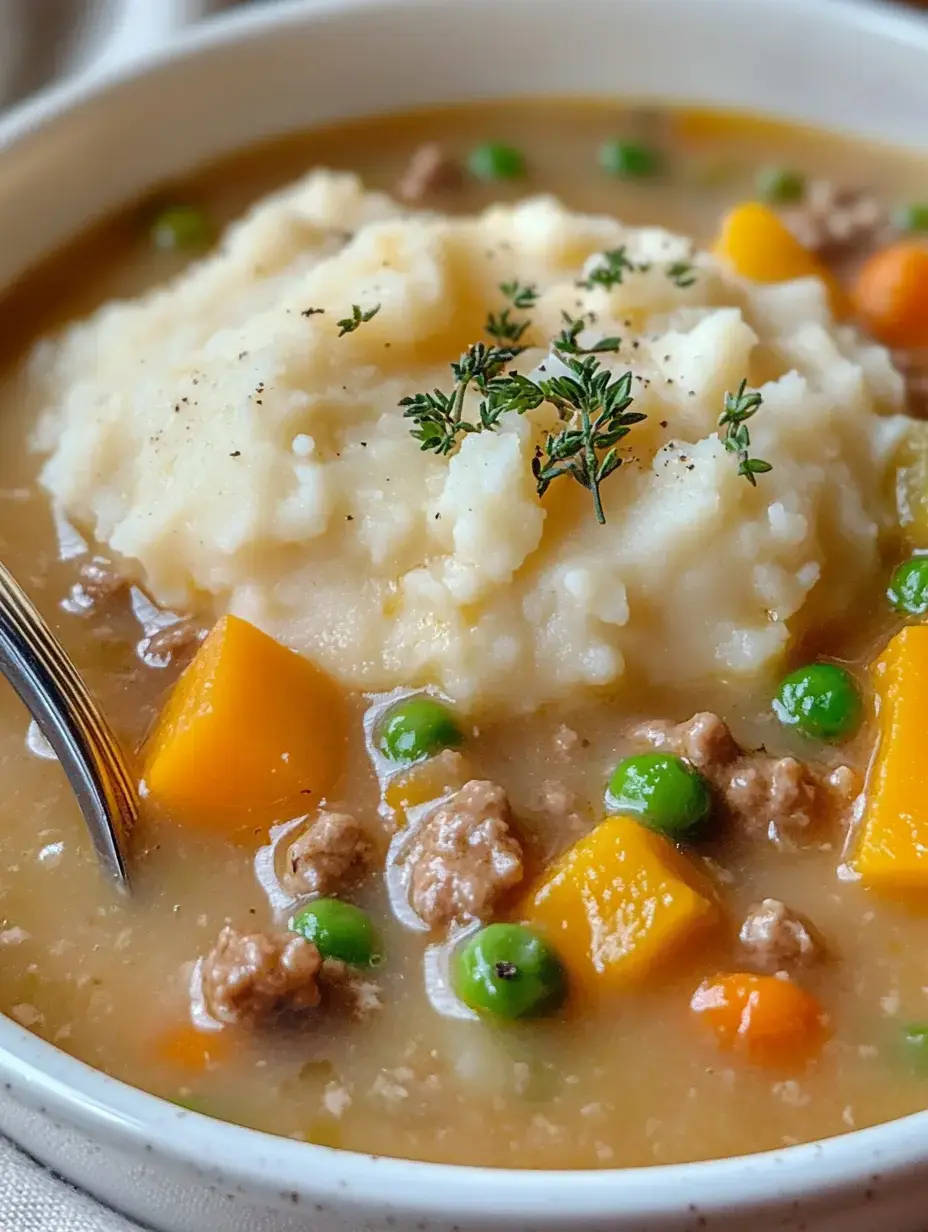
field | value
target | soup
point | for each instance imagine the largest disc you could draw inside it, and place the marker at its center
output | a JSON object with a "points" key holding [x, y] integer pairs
{"points": [[555, 846]]}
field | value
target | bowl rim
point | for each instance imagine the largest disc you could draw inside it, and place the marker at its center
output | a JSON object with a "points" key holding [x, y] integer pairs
{"points": [[45, 1078]]}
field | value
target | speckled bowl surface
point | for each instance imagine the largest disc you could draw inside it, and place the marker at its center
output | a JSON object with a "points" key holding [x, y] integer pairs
{"points": [[91, 145]]}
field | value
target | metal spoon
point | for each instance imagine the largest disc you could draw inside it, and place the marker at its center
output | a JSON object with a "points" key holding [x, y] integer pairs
{"points": [[36, 665]]}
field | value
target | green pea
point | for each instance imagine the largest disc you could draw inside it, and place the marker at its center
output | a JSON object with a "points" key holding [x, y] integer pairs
{"points": [[821, 700], [493, 161], [780, 186], [662, 791], [912, 217], [908, 587], [339, 930], [915, 1043], [629, 160], [182, 228], [416, 728], [508, 971]]}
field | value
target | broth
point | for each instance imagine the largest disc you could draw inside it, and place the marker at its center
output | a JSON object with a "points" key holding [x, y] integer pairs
{"points": [[629, 1083]]}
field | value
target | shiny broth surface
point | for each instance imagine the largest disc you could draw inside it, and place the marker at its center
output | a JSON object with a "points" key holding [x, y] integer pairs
{"points": [[629, 1082]]}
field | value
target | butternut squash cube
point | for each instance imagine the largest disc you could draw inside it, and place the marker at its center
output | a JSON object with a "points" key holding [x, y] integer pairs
{"points": [[249, 725], [620, 903], [759, 246], [893, 849]]}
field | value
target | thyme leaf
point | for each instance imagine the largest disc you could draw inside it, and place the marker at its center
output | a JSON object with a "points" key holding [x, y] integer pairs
{"points": [[610, 270], [566, 341], [349, 324], [739, 408], [501, 326], [521, 296], [681, 274]]}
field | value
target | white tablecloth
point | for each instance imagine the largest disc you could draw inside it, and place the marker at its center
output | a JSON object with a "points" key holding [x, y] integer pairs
{"points": [[32, 1199]]}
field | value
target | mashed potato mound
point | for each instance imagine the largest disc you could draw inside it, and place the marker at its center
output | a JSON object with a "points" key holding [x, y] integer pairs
{"points": [[221, 436]]}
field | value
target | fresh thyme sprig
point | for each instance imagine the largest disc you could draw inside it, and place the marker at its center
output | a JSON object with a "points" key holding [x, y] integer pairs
{"points": [[592, 405], [349, 324], [591, 402], [739, 408], [566, 341], [438, 417]]}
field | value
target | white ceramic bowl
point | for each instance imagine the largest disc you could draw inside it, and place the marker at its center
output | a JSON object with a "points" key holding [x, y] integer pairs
{"points": [[88, 147]]}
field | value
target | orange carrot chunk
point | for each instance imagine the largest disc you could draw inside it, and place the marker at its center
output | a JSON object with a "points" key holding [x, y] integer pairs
{"points": [[773, 1020], [891, 294], [186, 1047]]}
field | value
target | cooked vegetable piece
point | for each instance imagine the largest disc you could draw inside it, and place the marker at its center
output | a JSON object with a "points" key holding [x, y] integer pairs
{"points": [[416, 728], [911, 464], [908, 587], [508, 971], [821, 700], [493, 161], [182, 228], [249, 724], [760, 246], [620, 904], [893, 848], [186, 1047], [425, 781], [662, 791], [771, 1019], [780, 186], [890, 294], [912, 217], [339, 930], [629, 160], [915, 1043]]}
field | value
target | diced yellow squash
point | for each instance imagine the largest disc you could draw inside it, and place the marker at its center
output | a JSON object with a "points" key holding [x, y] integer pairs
{"points": [[425, 781], [911, 474], [758, 245], [619, 904], [893, 848], [249, 725]]}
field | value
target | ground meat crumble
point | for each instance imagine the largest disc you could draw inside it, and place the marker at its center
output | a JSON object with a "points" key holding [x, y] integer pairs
{"points": [[333, 850], [779, 796], [464, 857], [776, 937], [837, 222], [250, 978]]}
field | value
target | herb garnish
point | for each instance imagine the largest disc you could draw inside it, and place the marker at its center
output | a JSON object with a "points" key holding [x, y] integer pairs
{"points": [[349, 324], [566, 341], [501, 326], [681, 274], [437, 416], [610, 272], [311, 312], [739, 408], [592, 405], [591, 402]]}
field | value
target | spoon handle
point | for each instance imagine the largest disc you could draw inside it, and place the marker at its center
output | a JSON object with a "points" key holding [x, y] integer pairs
{"points": [[36, 665]]}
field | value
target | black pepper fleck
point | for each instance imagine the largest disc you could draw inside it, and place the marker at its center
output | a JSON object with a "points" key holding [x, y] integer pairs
{"points": [[311, 312], [236, 454], [506, 971]]}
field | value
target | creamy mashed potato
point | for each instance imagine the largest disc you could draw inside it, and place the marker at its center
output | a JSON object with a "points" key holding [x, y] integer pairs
{"points": [[230, 444]]}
